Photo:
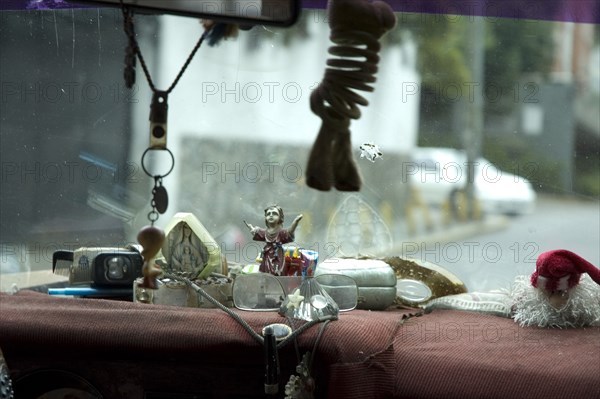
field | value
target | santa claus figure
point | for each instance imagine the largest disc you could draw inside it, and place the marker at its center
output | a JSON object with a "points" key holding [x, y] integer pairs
{"points": [[564, 291]]}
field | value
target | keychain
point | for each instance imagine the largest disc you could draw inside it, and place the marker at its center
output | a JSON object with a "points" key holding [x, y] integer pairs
{"points": [[151, 238]]}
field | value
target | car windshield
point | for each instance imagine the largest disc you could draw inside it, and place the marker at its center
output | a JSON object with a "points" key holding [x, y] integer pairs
{"points": [[516, 94]]}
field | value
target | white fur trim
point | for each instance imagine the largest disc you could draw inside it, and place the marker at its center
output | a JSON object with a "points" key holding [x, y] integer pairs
{"points": [[531, 306]]}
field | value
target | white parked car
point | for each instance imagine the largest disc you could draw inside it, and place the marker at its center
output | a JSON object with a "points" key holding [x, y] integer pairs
{"points": [[438, 174]]}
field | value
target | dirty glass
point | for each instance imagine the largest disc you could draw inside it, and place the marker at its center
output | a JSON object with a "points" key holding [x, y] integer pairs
{"points": [[512, 103]]}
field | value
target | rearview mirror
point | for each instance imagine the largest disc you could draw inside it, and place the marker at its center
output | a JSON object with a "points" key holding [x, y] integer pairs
{"points": [[244, 12]]}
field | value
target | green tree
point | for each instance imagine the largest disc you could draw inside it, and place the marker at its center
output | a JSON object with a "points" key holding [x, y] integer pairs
{"points": [[515, 50], [440, 40]]}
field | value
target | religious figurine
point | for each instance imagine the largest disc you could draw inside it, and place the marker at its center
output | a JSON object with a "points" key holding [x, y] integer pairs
{"points": [[187, 253], [189, 250], [274, 236]]}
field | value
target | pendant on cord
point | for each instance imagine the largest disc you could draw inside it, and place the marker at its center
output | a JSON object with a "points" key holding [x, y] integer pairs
{"points": [[150, 237], [160, 198]]}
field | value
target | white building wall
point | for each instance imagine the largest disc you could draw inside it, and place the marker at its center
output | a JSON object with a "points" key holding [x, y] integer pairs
{"points": [[270, 98]]}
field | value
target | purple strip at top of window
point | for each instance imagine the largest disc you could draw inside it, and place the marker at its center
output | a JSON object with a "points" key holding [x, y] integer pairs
{"points": [[582, 11], [34, 4]]}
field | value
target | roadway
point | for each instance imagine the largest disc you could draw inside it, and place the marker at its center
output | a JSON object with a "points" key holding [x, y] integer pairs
{"points": [[488, 254]]}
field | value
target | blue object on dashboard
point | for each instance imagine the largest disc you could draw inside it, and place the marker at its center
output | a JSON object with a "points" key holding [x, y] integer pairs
{"points": [[91, 292]]}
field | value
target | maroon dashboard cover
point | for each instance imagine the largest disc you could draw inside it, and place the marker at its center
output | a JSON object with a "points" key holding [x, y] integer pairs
{"points": [[364, 354]]}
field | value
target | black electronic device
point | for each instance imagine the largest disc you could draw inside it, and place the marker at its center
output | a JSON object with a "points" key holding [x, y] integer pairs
{"points": [[99, 266]]}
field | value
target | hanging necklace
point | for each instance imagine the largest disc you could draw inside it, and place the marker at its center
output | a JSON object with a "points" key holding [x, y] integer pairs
{"points": [[151, 238]]}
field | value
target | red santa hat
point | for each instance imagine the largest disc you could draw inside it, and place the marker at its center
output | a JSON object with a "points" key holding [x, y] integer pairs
{"points": [[561, 269]]}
